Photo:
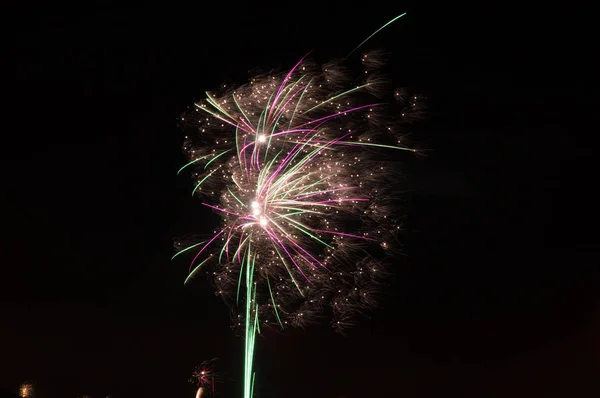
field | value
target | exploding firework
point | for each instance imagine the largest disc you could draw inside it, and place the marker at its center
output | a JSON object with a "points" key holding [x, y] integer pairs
{"points": [[26, 390], [204, 377], [300, 167], [302, 198]]}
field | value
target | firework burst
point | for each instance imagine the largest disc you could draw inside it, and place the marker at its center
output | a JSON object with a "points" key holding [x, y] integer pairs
{"points": [[204, 376], [26, 390], [300, 167], [302, 182]]}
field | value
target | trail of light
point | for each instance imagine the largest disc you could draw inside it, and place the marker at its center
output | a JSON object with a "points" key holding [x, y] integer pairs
{"points": [[337, 96], [279, 181], [251, 325], [229, 236], [324, 231], [303, 250], [206, 177], [217, 106], [242, 155], [254, 303], [295, 151], [225, 248], [241, 245], [277, 105], [323, 202], [196, 268], [313, 154], [285, 190], [236, 198], [290, 88], [291, 177], [271, 136], [374, 33], [276, 182], [299, 102], [324, 118], [291, 131], [240, 277], [303, 228], [300, 203], [249, 126], [265, 112], [302, 188], [211, 112], [246, 146], [221, 118], [283, 107], [310, 195], [237, 147], [289, 214], [265, 173], [319, 149], [265, 183], [296, 247], [269, 143], [287, 268], [273, 301], [241, 109], [297, 208], [276, 239], [288, 174], [354, 143], [206, 245], [235, 182], [192, 162], [262, 122], [215, 158], [187, 248], [284, 82]]}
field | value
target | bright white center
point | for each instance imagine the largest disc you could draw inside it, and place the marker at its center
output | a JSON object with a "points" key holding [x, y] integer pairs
{"points": [[263, 221], [255, 208], [262, 138]]}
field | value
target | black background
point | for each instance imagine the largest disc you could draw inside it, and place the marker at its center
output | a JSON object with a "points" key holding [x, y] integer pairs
{"points": [[495, 297]]}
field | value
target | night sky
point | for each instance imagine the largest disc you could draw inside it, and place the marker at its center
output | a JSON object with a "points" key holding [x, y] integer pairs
{"points": [[496, 294]]}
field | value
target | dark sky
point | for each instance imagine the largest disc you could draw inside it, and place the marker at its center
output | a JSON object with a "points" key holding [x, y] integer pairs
{"points": [[496, 296]]}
